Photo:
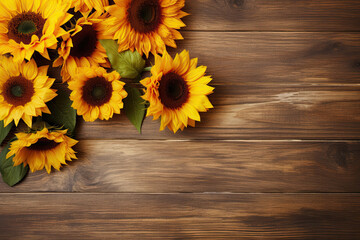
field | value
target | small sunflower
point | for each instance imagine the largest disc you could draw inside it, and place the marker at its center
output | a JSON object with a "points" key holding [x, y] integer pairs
{"points": [[85, 6], [146, 25], [177, 91], [41, 149], [24, 90], [81, 47], [97, 94], [31, 25]]}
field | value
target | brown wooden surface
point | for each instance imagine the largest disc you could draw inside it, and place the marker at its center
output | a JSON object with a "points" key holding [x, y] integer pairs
{"points": [[274, 15], [180, 216], [204, 166], [278, 157]]}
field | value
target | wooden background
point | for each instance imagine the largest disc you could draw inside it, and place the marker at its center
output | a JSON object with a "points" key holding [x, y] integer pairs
{"points": [[278, 157]]}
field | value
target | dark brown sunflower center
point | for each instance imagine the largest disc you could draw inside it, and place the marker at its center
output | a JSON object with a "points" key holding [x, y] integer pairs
{"points": [[97, 91], [84, 42], [23, 26], [18, 91], [144, 15], [43, 144], [173, 90]]}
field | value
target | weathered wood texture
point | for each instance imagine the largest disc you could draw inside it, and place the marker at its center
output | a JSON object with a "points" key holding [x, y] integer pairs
{"points": [[180, 216], [274, 15], [276, 58], [286, 120], [256, 112], [204, 166]]}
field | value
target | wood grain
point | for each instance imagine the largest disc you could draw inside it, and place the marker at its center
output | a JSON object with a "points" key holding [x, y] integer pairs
{"points": [[256, 112], [278, 157], [276, 58], [275, 15], [180, 216], [203, 166]]}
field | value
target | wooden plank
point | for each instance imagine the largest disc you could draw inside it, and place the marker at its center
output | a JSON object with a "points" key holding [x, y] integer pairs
{"points": [[255, 112], [203, 166], [180, 216], [276, 15], [276, 58]]}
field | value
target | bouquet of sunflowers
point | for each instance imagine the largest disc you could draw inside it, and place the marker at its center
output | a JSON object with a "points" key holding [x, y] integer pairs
{"points": [[60, 59]]}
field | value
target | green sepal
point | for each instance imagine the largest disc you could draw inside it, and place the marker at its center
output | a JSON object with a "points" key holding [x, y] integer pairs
{"points": [[40, 125]]}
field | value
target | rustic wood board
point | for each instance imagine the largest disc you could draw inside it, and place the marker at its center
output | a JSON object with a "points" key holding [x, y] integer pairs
{"points": [[204, 166], [278, 157], [274, 15], [281, 58], [180, 216]]}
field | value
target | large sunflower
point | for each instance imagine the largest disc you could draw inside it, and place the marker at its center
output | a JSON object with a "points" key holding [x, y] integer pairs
{"points": [[85, 6], [146, 25], [41, 149], [97, 94], [177, 91], [24, 90], [31, 25], [82, 48]]}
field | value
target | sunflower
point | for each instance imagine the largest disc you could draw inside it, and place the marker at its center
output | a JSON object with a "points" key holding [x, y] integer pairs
{"points": [[41, 149], [81, 47], [24, 90], [86, 6], [96, 93], [31, 25], [177, 91], [146, 25]]}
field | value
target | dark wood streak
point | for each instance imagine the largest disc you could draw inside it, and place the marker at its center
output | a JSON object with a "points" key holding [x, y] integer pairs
{"points": [[203, 166], [180, 216], [279, 15]]}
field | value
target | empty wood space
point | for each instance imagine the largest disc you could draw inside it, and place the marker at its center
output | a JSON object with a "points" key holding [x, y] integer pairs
{"points": [[277, 158]]}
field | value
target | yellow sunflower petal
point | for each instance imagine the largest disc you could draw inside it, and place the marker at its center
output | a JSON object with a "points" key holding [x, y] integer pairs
{"points": [[150, 33], [19, 105], [177, 91], [42, 152], [90, 97]]}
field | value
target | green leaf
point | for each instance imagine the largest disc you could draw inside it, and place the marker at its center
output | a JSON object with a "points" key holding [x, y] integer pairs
{"points": [[4, 131], [134, 107], [62, 114], [10, 174], [129, 64]]}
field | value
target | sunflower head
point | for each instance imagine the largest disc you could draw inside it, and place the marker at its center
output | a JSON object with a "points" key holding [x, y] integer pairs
{"points": [[43, 148], [81, 46], [177, 91], [24, 91], [97, 94], [31, 25], [146, 25]]}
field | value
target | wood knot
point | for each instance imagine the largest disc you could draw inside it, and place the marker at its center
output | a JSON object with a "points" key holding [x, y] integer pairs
{"points": [[339, 154], [236, 3], [331, 46], [357, 64], [325, 48]]}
